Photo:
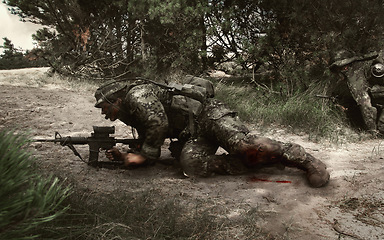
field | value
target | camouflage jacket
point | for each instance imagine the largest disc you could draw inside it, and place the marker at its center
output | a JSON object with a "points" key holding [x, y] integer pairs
{"points": [[158, 113]]}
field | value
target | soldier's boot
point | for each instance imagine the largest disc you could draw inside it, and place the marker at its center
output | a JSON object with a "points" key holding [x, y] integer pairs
{"points": [[295, 156]]}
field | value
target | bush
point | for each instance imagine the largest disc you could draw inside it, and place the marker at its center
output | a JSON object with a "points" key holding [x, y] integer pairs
{"points": [[27, 199], [151, 214], [299, 112]]}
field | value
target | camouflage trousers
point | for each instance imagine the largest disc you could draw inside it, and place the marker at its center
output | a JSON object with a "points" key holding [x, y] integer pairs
{"points": [[220, 127]]}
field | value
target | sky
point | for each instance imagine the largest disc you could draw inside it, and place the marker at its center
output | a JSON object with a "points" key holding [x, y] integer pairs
{"points": [[20, 33]]}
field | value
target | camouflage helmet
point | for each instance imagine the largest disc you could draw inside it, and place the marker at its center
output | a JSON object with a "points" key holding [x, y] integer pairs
{"points": [[377, 70], [105, 91]]}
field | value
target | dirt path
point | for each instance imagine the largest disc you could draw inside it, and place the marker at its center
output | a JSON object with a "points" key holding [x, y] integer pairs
{"points": [[350, 207]]}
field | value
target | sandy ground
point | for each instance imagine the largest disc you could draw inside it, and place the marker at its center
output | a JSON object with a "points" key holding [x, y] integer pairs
{"points": [[350, 207]]}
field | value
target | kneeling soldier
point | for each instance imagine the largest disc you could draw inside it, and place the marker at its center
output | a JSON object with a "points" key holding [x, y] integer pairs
{"points": [[201, 125]]}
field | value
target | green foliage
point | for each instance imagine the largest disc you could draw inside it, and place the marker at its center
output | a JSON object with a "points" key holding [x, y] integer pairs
{"points": [[289, 37], [146, 214], [312, 31], [300, 112], [114, 38], [13, 58], [27, 200], [110, 39], [295, 41]]}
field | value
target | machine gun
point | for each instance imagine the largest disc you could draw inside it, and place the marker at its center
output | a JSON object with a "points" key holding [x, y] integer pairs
{"points": [[98, 140]]}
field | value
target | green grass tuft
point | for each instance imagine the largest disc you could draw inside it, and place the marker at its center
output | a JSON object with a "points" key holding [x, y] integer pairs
{"points": [[300, 112], [146, 214], [27, 200]]}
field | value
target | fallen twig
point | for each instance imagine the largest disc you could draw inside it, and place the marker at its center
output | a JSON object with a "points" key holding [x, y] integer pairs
{"points": [[337, 228]]}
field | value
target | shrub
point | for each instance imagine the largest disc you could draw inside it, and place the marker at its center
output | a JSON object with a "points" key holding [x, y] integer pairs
{"points": [[299, 112], [27, 199]]}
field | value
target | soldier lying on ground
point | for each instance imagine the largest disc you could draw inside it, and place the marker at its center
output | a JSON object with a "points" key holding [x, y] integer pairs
{"points": [[200, 126], [364, 76]]}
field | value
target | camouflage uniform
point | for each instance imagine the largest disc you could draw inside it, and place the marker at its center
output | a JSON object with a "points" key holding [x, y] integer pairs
{"points": [[364, 77], [153, 112]]}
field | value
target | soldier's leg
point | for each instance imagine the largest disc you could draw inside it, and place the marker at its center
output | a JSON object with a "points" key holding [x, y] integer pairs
{"points": [[295, 156], [258, 151], [231, 134], [198, 158]]}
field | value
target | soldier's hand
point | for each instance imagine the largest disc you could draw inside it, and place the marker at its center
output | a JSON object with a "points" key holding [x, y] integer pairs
{"points": [[132, 159], [114, 154]]}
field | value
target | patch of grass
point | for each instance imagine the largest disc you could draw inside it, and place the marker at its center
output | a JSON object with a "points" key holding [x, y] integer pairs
{"points": [[147, 214], [27, 199], [300, 112]]}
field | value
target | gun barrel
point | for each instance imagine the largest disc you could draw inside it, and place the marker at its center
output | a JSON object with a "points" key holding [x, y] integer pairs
{"points": [[87, 140], [44, 140], [128, 141], [64, 140]]}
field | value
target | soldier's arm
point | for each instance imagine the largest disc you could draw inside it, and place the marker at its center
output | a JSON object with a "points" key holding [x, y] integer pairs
{"points": [[148, 110]]}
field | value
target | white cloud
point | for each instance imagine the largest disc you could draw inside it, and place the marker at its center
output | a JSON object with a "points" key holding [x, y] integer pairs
{"points": [[20, 33]]}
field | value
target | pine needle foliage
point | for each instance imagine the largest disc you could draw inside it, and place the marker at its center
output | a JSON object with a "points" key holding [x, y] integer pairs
{"points": [[27, 199]]}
